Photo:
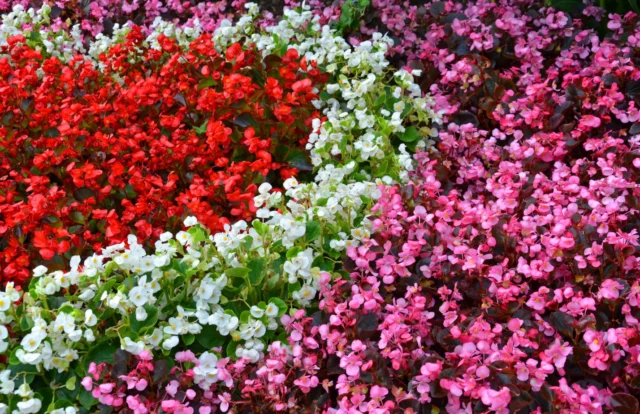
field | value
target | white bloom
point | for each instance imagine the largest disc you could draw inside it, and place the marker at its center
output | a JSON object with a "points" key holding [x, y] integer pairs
{"points": [[272, 310], [170, 343], [183, 237], [6, 383], [135, 347], [5, 302], [90, 318], [155, 338], [32, 405], [39, 271], [190, 221], [31, 342], [24, 390], [256, 312], [139, 296]]}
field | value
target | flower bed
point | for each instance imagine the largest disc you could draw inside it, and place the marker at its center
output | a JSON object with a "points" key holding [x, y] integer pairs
{"points": [[473, 249]]}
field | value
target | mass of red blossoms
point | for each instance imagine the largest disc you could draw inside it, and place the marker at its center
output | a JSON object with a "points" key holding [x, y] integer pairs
{"points": [[92, 155]]}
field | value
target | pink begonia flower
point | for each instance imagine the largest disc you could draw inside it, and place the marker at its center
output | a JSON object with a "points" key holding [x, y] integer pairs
{"points": [[145, 355], [172, 388], [185, 356], [593, 339], [610, 289], [590, 121], [497, 401], [87, 383], [170, 405], [378, 393], [306, 383], [483, 372], [224, 399]]}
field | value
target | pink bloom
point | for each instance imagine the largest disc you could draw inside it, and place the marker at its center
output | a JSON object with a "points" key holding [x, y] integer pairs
{"points": [[610, 289], [497, 401], [87, 383], [224, 399]]}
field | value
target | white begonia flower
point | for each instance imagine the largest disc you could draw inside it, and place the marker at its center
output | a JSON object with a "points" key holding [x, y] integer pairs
{"points": [[141, 314], [176, 327], [155, 337], [272, 310], [87, 295], [24, 390], [134, 347], [256, 312], [32, 405], [139, 296], [170, 343], [11, 292], [31, 342], [90, 319], [166, 236], [75, 336], [89, 336], [39, 271], [5, 302], [7, 385], [304, 295], [190, 221]]}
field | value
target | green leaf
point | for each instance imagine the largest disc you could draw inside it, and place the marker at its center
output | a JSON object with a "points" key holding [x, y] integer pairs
{"points": [[207, 83], [209, 337], [312, 231], [244, 316], [410, 134], [293, 252], [258, 227], [86, 399], [83, 193], [71, 383], [238, 272], [77, 217], [188, 339], [231, 349], [52, 133], [106, 287], [26, 323], [299, 159], [256, 273], [13, 358], [152, 319], [103, 352], [202, 128], [197, 233], [566, 5], [293, 287]]}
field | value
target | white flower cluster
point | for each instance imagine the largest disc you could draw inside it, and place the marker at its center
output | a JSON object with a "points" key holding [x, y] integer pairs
{"points": [[58, 43], [28, 404]]}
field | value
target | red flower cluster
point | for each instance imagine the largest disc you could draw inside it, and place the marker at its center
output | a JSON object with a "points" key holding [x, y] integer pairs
{"points": [[89, 156]]}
